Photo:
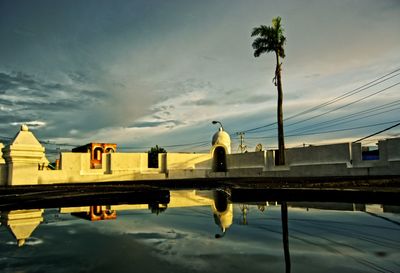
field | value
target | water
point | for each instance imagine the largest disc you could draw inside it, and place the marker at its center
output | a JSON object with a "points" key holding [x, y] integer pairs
{"points": [[180, 236]]}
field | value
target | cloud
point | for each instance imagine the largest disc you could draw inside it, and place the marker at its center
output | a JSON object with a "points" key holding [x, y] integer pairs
{"points": [[39, 103], [258, 98], [35, 123], [163, 123], [205, 102], [138, 68]]}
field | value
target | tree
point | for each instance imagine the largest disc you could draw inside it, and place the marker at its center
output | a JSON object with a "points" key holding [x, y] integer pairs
{"points": [[153, 156], [271, 39]]}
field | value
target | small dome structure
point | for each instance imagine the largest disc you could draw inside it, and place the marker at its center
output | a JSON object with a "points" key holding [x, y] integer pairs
{"points": [[222, 138]]}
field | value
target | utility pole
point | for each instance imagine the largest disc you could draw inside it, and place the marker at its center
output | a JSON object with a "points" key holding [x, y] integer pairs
{"points": [[242, 147], [244, 209]]}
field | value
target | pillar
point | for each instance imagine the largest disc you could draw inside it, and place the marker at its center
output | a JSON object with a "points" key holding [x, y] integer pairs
{"points": [[23, 157]]}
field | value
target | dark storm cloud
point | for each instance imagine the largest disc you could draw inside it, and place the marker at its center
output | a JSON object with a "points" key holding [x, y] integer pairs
{"points": [[19, 89], [7, 118], [51, 106], [5, 102], [27, 99]]}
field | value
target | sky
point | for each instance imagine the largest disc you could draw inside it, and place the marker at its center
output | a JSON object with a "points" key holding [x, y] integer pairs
{"points": [[141, 73]]}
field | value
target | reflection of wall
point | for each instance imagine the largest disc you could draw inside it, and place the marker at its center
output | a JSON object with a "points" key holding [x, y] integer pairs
{"points": [[178, 199], [373, 208], [22, 223], [391, 209], [328, 206]]}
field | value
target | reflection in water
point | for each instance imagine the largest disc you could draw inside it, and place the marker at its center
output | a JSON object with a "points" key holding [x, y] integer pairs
{"points": [[97, 213], [222, 210], [285, 235], [244, 208], [21, 223], [332, 237]]}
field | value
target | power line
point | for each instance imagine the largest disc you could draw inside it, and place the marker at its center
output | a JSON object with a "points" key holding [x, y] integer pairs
{"points": [[343, 117], [346, 105], [338, 108], [342, 122], [329, 131], [374, 134], [165, 146], [345, 95], [360, 113]]}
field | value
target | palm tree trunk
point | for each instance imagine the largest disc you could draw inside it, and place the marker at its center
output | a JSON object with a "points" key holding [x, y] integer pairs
{"points": [[281, 140]]}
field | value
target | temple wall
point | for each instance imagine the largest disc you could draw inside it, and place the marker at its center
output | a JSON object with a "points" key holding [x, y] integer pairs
{"points": [[179, 161], [21, 163], [334, 153], [247, 160]]}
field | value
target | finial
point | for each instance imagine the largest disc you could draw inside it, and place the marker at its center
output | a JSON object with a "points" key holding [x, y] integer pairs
{"points": [[20, 242], [24, 128]]}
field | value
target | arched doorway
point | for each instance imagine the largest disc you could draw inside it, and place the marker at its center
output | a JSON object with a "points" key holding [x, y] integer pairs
{"points": [[97, 153], [219, 159]]}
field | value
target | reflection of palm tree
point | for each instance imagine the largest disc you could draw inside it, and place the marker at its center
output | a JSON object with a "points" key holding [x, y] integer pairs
{"points": [[271, 39], [285, 235]]}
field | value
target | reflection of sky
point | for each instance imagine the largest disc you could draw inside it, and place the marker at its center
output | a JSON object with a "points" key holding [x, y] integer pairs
{"points": [[182, 239]]}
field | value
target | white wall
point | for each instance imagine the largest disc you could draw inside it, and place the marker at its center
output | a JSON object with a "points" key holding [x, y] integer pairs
{"points": [[179, 161], [334, 153], [314, 161], [246, 160]]}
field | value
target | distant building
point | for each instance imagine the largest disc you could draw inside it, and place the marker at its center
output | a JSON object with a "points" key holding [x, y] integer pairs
{"points": [[96, 151]]}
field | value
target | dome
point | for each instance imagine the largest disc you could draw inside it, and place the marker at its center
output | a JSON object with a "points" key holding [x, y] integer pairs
{"points": [[221, 138], [222, 211]]}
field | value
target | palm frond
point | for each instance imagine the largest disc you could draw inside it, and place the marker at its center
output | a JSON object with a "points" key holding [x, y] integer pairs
{"points": [[260, 51], [259, 42], [258, 30], [270, 38]]}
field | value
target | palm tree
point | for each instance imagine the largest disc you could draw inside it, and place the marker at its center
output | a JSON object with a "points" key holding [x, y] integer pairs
{"points": [[271, 39]]}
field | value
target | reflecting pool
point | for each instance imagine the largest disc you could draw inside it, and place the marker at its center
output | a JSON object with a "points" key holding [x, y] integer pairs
{"points": [[202, 231]]}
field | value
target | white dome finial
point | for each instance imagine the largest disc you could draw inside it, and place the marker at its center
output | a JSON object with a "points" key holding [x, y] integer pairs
{"points": [[24, 127]]}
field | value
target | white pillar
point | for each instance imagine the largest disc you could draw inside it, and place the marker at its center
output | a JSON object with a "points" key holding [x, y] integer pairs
{"points": [[23, 157]]}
